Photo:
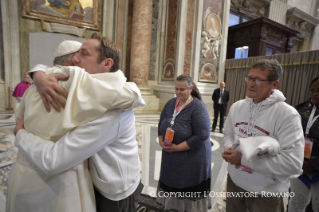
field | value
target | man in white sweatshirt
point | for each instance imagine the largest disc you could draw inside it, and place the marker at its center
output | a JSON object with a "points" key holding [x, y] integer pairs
{"points": [[258, 183], [108, 141]]}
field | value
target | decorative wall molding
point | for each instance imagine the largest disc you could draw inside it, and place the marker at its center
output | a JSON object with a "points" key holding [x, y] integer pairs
{"points": [[301, 21], [62, 28], [211, 38], [211, 35], [275, 34], [251, 8]]}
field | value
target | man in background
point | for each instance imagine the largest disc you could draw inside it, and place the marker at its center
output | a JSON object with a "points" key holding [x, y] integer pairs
{"points": [[220, 98], [20, 89]]}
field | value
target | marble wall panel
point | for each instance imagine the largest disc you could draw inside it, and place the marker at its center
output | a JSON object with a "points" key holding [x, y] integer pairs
{"points": [[26, 26], [2, 76], [171, 30], [152, 69], [120, 28], [3, 96], [128, 37], [171, 34], [189, 36]]}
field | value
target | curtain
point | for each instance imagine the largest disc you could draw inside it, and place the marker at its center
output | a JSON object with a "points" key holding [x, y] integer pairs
{"points": [[299, 69]]}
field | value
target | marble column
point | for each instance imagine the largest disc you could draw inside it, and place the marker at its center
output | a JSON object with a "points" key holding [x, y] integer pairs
{"points": [[140, 52], [11, 47], [141, 42]]}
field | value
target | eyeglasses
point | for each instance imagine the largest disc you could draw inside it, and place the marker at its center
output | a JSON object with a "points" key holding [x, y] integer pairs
{"points": [[256, 80]]}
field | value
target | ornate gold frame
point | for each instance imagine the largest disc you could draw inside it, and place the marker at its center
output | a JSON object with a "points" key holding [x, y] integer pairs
{"points": [[29, 12]]}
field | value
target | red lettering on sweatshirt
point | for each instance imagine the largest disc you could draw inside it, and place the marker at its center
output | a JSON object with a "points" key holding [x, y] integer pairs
{"points": [[244, 130], [241, 123]]}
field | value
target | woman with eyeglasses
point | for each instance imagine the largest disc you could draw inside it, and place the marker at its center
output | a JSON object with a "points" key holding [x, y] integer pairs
{"points": [[306, 187], [183, 134]]}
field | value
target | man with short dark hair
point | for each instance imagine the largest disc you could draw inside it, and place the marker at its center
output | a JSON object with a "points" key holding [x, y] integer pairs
{"points": [[263, 143]]}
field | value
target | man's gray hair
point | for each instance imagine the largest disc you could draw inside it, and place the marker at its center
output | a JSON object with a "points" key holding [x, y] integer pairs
{"points": [[63, 59], [275, 69], [187, 78]]}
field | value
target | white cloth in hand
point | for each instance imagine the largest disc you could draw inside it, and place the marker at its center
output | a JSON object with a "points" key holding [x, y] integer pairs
{"points": [[255, 146]]}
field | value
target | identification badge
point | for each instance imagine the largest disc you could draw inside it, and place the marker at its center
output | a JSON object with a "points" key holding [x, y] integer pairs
{"points": [[169, 135], [308, 148], [243, 168]]}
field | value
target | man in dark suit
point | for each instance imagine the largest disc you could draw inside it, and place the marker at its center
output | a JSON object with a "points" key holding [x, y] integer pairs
{"points": [[220, 98]]}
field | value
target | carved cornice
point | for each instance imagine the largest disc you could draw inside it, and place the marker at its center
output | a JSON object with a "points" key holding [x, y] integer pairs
{"points": [[299, 20], [274, 33], [262, 29], [251, 8], [295, 12]]}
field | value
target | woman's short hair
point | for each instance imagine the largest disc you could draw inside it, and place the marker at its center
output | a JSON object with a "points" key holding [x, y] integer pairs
{"points": [[189, 82], [187, 78]]}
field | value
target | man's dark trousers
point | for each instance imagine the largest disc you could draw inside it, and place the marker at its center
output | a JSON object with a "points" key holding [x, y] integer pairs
{"points": [[219, 110]]}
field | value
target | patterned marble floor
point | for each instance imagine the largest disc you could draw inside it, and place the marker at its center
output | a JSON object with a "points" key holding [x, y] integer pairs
{"points": [[146, 126], [150, 155], [7, 152]]}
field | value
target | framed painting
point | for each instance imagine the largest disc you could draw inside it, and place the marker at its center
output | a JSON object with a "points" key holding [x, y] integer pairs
{"points": [[80, 13]]}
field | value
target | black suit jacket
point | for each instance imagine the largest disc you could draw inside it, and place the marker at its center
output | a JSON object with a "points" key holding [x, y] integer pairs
{"points": [[225, 98]]}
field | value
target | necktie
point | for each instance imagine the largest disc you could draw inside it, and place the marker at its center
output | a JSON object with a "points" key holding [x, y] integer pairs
{"points": [[221, 95]]}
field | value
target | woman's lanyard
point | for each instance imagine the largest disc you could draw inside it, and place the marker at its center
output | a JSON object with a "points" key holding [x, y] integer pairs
{"points": [[251, 127], [311, 120], [175, 111]]}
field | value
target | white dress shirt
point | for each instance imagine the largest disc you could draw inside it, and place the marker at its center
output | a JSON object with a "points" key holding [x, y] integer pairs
{"points": [[220, 96]]}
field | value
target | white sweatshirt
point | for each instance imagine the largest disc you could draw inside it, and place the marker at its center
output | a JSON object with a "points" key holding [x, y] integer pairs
{"points": [[109, 141], [271, 117]]}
